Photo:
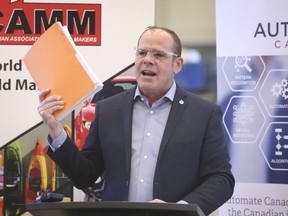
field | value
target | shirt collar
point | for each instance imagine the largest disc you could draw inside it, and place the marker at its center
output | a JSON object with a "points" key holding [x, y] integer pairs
{"points": [[170, 94]]}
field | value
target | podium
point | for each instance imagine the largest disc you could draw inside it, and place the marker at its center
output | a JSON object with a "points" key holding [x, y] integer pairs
{"points": [[111, 208]]}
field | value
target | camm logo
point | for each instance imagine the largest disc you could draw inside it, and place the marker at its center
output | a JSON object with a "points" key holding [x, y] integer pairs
{"points": [[22, 23]]}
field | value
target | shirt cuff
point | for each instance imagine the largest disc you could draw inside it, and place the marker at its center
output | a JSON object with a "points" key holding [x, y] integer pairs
{"points": [[58, 141], [182, 202]]}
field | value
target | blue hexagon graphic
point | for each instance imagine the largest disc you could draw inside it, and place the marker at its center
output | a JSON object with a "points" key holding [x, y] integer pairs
{"points": [[243, 119], [274, 146], [274, 93], [243, 72]]}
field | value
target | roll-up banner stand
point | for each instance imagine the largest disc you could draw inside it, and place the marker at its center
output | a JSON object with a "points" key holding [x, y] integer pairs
{"points": [[106, 33], [252, 80]]}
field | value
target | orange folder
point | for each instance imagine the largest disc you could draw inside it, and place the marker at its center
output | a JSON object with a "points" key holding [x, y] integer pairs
{"points": [[55, 63]]}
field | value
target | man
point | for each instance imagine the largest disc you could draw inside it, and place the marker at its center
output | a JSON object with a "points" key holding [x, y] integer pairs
{"points": [[155, 142]]}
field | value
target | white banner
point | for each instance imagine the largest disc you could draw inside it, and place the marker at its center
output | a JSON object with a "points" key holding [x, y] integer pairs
{"points": [[252, 80]]}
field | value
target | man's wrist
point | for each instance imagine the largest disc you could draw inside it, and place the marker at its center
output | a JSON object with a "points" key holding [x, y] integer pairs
{"points": [[58, 141], [55, 131]]}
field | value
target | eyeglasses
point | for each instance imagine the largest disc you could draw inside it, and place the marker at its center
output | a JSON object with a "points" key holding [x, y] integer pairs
{"points": [[157, 54]]}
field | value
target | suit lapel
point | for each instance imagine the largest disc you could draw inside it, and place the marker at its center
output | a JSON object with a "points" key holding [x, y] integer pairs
{"points": [[178, 106], [127, 111]]}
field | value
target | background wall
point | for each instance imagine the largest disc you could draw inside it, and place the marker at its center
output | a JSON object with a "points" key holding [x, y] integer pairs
{"points": [[195, 23], [193, 20]]}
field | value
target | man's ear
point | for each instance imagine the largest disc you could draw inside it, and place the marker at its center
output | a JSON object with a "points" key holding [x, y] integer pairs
{"points": [[178, 65]]}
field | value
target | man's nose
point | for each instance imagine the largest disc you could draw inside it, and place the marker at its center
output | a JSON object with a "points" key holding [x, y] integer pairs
{"points": [[149, 57]]}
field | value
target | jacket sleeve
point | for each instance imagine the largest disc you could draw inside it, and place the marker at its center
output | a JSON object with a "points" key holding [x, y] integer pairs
{"points": [[82, 168], [216, 183]]}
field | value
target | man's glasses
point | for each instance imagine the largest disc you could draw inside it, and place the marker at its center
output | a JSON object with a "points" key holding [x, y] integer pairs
{"points": [[157, 54]]}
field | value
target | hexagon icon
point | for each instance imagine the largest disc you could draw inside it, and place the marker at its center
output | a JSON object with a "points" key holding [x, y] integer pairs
{"points": [[274, 93], [243, 119], [274, 146], [243, 72]]}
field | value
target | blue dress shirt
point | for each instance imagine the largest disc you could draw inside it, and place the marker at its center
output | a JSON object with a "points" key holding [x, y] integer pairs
{"points": [[147, 130]]}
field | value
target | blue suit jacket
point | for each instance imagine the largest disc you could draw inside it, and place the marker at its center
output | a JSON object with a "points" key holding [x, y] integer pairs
{"points": [[193, 162]]}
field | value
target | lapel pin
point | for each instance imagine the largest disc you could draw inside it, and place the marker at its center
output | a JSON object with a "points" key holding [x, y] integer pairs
{"points": [[181, 102]]}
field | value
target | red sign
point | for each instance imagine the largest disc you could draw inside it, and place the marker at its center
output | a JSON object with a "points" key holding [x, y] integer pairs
{"points": [[21, 23]]}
